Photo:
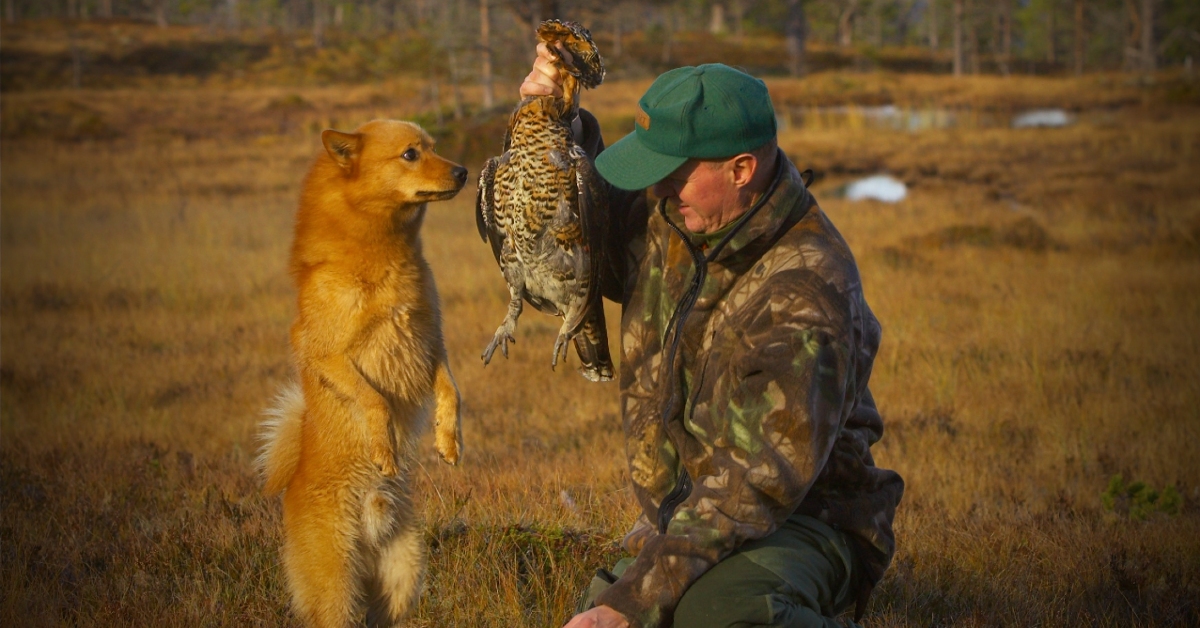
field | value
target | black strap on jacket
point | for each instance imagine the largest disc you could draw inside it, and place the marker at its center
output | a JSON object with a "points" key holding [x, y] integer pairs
{"points": [[674, 330]]}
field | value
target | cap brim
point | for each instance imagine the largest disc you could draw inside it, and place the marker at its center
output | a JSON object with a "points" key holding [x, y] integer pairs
{"points": [[629, 165]]}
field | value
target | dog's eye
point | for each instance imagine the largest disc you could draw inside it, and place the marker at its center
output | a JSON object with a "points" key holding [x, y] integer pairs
{"points": [[411, 154]]}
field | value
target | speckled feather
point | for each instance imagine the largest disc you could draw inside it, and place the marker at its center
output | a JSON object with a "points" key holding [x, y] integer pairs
{"points": [[541, 206]]}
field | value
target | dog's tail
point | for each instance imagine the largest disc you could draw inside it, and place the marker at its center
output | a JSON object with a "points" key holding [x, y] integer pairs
{"points": [[280, 438]]}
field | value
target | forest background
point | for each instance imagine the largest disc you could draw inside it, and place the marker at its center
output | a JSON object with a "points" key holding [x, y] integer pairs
{"points": [[1038, 285]]}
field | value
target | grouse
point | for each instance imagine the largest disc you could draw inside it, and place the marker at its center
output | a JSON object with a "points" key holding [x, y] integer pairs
{"points": [[543, 208]]}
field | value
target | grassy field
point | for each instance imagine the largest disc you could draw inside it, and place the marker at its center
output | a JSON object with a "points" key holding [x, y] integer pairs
{"points": [[1039, 291]]}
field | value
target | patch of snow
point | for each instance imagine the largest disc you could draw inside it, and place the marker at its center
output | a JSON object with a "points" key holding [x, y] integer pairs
{"points": [[880, 187], [1048, 118]]}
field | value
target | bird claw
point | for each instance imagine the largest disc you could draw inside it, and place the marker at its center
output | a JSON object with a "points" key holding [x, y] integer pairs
{"points": [[501, 339], [560, 347]]}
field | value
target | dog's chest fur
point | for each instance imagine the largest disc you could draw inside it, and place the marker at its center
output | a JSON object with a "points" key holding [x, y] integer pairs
{"points": [[382, 317], [395, 348]]}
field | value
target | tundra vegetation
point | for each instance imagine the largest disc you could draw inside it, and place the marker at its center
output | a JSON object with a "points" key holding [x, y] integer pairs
{"points": [[1039, 290]]}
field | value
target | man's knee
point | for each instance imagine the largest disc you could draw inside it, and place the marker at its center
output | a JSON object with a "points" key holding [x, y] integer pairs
{"points": [[736, 592]]}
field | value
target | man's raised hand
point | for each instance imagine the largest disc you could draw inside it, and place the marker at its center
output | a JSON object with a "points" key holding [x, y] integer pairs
{"points": [[545, 78]]}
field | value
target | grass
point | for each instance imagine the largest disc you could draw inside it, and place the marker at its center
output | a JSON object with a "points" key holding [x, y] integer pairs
{"points": [[1038, 292]]}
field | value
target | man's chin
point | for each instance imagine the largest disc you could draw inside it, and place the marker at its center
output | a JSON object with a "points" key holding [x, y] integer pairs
{"points": [[694, 225]]}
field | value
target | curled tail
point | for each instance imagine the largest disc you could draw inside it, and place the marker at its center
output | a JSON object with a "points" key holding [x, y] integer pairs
{"points": [[280, 436]]}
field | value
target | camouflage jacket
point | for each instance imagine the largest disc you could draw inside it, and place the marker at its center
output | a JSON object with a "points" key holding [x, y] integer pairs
{"points": [[743, 389]]}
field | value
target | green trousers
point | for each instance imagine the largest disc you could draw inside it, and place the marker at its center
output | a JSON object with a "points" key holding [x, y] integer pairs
{"points": [[798, 577]]}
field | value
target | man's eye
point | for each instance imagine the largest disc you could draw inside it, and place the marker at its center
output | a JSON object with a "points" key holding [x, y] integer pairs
{"points": [[411, 155]]}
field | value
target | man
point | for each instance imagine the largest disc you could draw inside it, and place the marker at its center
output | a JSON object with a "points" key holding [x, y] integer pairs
{"points": [[746, 349]]}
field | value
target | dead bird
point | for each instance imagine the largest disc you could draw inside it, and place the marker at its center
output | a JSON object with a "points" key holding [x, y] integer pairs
{"points": [[543, 208]]}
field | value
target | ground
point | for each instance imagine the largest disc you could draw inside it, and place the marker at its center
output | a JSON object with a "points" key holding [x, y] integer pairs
{"points": [[1039, 291]]}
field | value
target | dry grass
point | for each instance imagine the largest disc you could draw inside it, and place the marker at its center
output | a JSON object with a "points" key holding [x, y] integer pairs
{"points": [[1038, 291]]}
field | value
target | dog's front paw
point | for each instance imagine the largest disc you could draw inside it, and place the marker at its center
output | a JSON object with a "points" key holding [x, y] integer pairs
{"points": [[385, 461], [447, 434], [449, 445]]}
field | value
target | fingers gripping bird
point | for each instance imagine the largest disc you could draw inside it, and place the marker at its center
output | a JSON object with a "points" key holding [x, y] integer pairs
{"points": [[542, 207]]}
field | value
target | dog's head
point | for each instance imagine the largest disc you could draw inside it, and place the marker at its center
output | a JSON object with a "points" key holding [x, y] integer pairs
{"points": [[393, 163]]}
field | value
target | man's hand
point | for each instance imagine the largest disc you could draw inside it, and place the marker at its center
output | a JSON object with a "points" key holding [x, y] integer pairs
{"points": [[545, 79], [599, 617]]}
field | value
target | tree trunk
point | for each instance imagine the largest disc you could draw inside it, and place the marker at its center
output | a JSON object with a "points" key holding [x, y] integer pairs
{"points": [[933, 25], [318, 23], [1051, 27], [103, 9], [716, 22], [1149, 58], [876, 24], [160, 13], [738, 9], [455, 86], [846, 23], [1079, 38], [485, 45], [958, 37], [616, 35], [1006, 35], [668, 34], [10, 11], [972, 38], [797, 35], [234, 19], [1002, 43]]}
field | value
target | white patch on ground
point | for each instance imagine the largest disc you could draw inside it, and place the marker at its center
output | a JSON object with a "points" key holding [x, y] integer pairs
{"points": [[880, 187], [1041, 118]]}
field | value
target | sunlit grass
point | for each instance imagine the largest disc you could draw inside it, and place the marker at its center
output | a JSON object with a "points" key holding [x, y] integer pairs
{"points": [[144, 306]]}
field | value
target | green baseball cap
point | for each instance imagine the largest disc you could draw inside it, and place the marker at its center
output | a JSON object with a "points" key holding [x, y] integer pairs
{"points": [[708, 111]]}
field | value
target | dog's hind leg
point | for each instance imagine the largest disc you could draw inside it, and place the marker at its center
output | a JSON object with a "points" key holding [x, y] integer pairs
{"points": [[319, 555], [395, 586]]}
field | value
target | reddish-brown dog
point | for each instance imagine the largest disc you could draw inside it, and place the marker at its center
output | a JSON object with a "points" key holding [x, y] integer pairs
{"points": [[368, 347]]}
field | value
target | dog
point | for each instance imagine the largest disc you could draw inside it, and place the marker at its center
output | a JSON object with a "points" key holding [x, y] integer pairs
{"points": [[340, 442]]}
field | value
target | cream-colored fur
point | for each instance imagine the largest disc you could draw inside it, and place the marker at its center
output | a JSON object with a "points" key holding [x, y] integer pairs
{"points": [[340, 442]]}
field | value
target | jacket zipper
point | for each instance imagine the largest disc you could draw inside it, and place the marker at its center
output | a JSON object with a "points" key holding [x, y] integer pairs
{"points": [[683, 483]]}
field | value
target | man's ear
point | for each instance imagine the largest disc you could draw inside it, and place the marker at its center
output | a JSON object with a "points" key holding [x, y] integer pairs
{"points": [[343, 147], [743, 168]]}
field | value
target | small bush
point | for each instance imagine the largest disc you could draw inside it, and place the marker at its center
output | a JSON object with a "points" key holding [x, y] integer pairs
{"points": [[1139, 500]]}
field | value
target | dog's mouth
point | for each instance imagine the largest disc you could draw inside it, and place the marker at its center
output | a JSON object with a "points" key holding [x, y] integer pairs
{"points": [[437, 195]]}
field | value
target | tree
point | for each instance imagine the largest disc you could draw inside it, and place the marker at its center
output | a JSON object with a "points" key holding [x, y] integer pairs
{"points": [[796, 32], [846, 22], [1079, 35], [1149, 54], [958, 37], [716, 20], [1051, 31], [160, 13], [972, 53], [1004, 45], [485, 49], [933, 25]]}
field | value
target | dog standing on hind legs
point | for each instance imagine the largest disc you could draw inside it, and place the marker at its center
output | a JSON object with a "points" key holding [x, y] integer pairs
{"points": [[340, 443]]}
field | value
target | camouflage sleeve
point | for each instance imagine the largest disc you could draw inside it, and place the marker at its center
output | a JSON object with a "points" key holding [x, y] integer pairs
{"points": [[763, 430], [627, 215]]}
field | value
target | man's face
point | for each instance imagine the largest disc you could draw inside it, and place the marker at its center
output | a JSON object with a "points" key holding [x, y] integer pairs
{"points": [[704, 193]]}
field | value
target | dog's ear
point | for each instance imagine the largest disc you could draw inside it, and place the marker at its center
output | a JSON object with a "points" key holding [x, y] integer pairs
{"points": [[343, 147]]}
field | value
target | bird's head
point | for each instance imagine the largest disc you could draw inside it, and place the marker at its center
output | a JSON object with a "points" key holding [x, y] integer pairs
{"points": [[586, 66]]}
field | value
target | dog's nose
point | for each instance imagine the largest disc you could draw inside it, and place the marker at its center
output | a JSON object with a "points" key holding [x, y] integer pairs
{"points": [[460, 173]]}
